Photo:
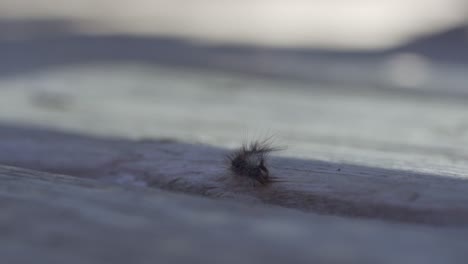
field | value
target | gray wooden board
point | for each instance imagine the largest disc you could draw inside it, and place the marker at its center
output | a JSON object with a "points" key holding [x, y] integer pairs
{"points": [[50, 218], [392, 156], [398, 157], [308, 185]]}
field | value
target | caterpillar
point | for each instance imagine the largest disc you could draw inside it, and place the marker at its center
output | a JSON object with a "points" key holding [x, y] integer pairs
{"points": [[250, 161]]}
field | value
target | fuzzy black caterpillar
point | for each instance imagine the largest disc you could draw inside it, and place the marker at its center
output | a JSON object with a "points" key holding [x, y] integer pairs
{"points": [[250, 161]]}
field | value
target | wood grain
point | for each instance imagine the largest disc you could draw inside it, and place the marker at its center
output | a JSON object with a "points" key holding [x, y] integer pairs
{"points": [[50, 218], [376, 154]]}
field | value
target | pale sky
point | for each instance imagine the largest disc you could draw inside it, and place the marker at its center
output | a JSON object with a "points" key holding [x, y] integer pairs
{"points": [[350, 24]]}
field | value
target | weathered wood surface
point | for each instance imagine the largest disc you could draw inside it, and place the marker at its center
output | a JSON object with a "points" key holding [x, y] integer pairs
{"points": [[49, 218], [398, 157], [373, 154], [308, 185]]}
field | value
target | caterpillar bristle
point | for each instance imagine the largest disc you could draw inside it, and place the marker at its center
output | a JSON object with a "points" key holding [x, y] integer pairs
{"points": [[250, 161]]}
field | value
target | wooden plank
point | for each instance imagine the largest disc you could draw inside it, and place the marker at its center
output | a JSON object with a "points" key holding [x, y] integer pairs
{"points": [[388, 156], [49, 218], [309, 185]]}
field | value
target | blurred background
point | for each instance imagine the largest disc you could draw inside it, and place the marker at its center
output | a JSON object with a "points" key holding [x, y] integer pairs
{"points": [[317, 40], [331, 25], [206, 68]]}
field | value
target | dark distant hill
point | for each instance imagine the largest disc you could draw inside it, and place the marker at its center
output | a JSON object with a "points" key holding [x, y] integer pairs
{"points": [[37, 44], [449, 46]]}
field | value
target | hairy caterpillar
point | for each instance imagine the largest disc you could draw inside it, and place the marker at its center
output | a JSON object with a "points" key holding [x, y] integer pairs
{"points": [[250, 161]]}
